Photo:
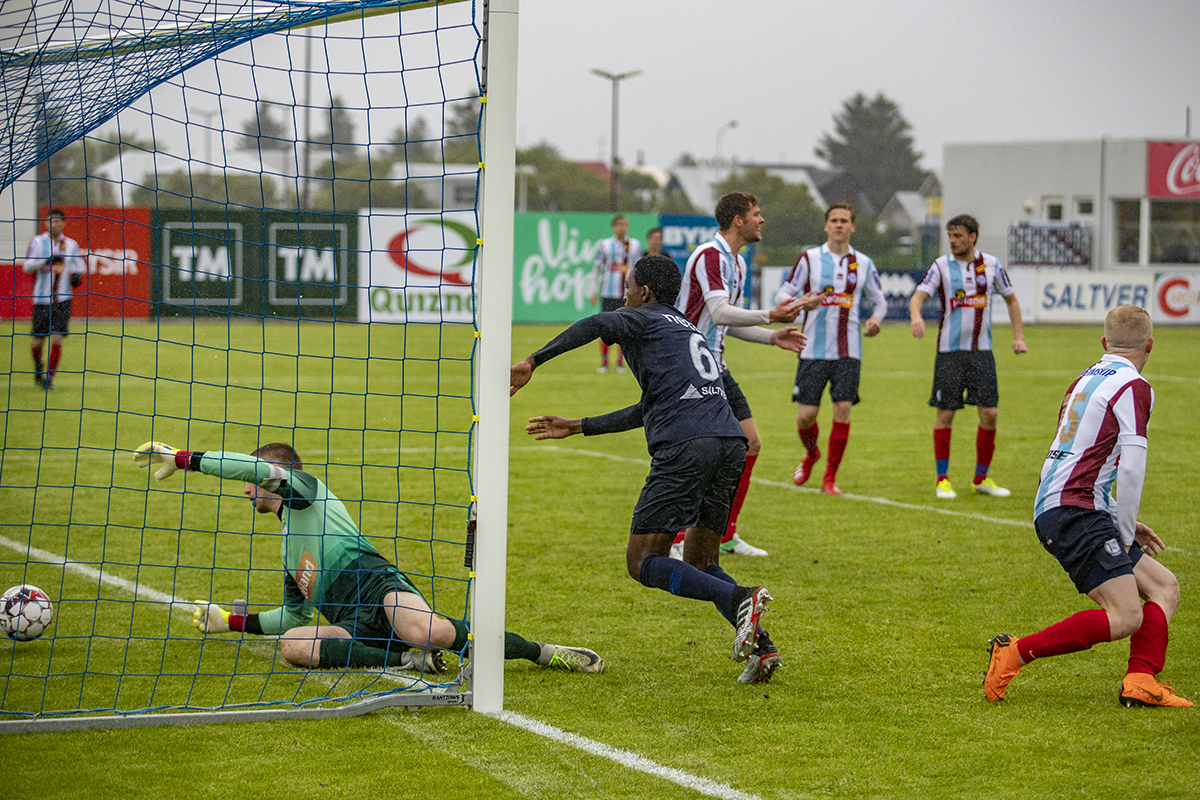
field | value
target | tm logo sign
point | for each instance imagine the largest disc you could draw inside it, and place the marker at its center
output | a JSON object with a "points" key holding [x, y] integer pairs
{"points": [[308, 264], [203, 263]]}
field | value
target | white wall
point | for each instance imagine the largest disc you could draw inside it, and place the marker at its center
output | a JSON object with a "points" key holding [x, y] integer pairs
{"points": [[18, 217]]}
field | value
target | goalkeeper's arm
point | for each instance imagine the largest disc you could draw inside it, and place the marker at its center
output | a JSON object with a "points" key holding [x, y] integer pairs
{"points": [[211, 618]]}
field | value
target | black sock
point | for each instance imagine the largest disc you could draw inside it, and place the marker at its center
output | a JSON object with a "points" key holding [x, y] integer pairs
{"points": [[516, 646], [682, 579], [342, 653], [720, 574]]}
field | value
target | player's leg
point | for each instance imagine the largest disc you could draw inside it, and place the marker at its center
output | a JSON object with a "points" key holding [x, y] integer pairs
{"points": [[806, 393], [731, 542], [982, 391], [843, 390], [946, 397], [1158, 586], [303, 646], [39, 331]]}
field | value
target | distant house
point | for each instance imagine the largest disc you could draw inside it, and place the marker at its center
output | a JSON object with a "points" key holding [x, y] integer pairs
{"points": [[826, 185], [450, 187]]}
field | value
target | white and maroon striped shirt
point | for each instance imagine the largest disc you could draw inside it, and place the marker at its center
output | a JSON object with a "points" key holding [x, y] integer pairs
{"points": [[713, 270], [1103, 416], [833, 329], [963, 289], [614, 259], [47, 287]]}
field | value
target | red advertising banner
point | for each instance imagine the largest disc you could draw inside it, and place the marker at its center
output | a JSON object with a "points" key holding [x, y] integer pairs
{"points": [[115, 242], [1173, 169]]}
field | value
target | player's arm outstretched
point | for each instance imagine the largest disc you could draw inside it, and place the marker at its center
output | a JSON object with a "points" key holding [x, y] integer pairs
{"points": [[607, 325]]}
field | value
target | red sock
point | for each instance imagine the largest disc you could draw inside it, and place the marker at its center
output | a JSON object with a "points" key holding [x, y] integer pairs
{"points": [[837, 447], [1148, 645], [808, 437], [55, 355], [985, 446], [1077, 632], [36, 349], [739, 498], [603, 352], [679, 537], [941, 450]]}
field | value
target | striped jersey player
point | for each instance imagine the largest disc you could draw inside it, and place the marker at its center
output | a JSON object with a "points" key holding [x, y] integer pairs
{"points": [[844, 281], [615, 256], [711, 299], [1085, 516], [964, 371], [55, 261]]}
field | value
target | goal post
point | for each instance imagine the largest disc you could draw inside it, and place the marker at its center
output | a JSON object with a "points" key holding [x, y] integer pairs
{"points": [[249, 278]]}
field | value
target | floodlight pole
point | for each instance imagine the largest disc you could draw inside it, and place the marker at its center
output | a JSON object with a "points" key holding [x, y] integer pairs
{"points": [[614, 172], [721, 135]]}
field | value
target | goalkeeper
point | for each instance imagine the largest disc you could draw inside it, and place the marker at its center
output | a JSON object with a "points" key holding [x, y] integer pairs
{"points": [[374, 612]]}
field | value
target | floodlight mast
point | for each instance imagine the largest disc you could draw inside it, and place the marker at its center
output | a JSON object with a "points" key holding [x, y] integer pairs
{"points": [[614, 171]]}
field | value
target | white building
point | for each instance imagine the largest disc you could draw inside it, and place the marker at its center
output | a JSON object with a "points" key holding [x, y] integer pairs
{"points": [[1100, 204]]}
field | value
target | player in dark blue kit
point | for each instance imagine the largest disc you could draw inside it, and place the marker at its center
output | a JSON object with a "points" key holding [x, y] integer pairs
{"points": [[697, 448]]}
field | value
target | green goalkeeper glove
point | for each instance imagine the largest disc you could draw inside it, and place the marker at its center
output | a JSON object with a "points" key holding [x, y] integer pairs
{"points": [[157, 453], [210, 617]]}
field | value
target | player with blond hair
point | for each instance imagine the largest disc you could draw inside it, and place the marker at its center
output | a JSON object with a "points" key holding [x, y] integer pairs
{"points": [[1092, 528]]}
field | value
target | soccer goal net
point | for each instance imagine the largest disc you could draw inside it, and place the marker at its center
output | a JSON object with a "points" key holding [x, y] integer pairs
{"points": [[227, 223]]}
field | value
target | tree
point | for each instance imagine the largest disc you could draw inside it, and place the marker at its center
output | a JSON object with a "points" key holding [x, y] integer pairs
{"points": [[871, 141], [339, 133], [794, 221], [414, 143], [181, 189], [264, 132], [461, 144], [556, 184], [347, 186]]}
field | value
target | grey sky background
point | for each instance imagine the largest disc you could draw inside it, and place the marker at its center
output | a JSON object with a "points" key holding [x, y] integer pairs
{"points": [[962, 71]]}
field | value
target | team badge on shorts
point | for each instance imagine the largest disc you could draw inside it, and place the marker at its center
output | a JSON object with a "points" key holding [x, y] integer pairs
{"points": [[1112, 547]]}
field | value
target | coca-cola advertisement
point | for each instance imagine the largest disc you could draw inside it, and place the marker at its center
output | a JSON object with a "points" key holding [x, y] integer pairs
{"points": [[1173, 169]]}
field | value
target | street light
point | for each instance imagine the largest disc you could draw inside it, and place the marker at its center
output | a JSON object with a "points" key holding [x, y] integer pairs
{"points": [[208, 116], [721, 135], [613, 173]]}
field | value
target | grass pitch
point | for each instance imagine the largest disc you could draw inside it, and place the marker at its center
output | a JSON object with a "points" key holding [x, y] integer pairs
{"points": [[885, 598]]}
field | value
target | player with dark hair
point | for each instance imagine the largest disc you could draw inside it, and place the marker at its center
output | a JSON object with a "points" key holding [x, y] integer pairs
{"points": [[654, 242], [696, 445], [711, 299], [614, 257], [965, 365], [1092, 529], [843, 280], [375, 614], [56, 261]]}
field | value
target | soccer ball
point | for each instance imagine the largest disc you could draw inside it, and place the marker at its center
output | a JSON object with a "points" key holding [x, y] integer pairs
{"points": [[25, 612]]}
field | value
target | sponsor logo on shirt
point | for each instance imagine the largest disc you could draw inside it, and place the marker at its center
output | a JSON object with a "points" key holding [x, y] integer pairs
{"points": [[832, 298], [1097, 371], [1057, 455], [693, 393], [306, 574], [963, 300]]}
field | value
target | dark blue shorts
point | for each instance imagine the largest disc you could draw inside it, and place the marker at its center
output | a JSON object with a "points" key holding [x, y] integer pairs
{"points": [[354, 599], [965, 372], [52, 318], [812, 374], [1087, 544], [737, 401], [690, 484]]}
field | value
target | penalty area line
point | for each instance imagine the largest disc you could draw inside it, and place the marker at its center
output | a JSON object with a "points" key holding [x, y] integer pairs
{"points": [[625, 758]]}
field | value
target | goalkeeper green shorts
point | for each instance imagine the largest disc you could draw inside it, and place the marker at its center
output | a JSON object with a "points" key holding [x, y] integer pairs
{"points": [[354, 599]]}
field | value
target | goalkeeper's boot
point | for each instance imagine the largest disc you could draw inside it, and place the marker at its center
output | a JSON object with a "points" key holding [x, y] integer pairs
{"points": [[571, 659], [1003, 666], [1140, 689], [749, 611], [802, 473], [944, 490], [988, 486], [762, 663]]}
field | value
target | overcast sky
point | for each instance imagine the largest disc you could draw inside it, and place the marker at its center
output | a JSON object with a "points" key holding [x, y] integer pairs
{"points": [[962, 71]]}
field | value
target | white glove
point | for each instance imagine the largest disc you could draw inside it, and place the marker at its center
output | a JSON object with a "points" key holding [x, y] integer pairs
{"points": [[157, 453], [210, 617]]}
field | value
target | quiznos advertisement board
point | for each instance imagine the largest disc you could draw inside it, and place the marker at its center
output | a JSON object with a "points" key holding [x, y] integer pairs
{"points": [[417, 266]]}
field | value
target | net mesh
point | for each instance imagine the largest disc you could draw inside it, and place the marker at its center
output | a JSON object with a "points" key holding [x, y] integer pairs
{"points": [[276, 211]]}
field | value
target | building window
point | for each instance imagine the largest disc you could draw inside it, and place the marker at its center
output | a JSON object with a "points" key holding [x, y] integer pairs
{"points": [[1127, 216], [1052, 209], [1174, 231], [1083, 207]]}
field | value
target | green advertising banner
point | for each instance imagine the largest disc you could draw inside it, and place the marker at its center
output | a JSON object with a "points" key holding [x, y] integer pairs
{"points": [[553, 258], [256, 263]]}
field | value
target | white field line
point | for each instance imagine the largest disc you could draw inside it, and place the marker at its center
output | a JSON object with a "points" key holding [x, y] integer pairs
{"points": [[622, 757], [625, 758]]}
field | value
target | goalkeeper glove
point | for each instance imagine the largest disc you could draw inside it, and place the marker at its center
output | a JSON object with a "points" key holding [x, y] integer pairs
{"points": [[157, 453], [210, 617]]}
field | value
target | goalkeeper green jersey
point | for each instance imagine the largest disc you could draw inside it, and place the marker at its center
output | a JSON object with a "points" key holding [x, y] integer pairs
{"points": [[319, 537]]}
